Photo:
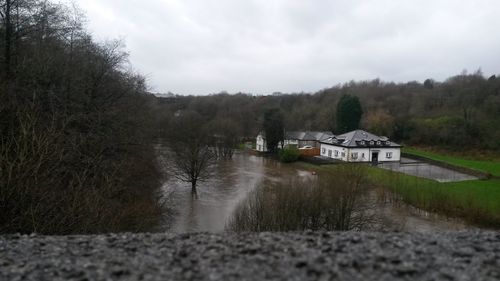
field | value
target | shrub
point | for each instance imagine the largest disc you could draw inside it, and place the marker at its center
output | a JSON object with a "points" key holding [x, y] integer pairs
{"points": [[289, 154], [334, 201]]}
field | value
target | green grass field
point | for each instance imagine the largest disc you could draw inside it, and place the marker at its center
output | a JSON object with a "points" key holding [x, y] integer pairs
{"points": [[492, 166]]}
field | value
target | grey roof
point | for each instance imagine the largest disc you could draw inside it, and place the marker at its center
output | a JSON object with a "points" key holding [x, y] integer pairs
{"points": [[360, 138], [308, 135]]}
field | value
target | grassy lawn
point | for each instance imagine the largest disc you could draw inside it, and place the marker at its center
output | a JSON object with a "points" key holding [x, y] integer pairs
{"points": [[477, 201], [490, 166]]}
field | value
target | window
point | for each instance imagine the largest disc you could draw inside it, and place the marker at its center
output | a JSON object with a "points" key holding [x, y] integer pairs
{"points": [[388, 155], [354, 155], [362, 142], [343, 154], [329, 153], [378, 142], [388, 142], [372, 142], [362, 155], [323, 150], [336, 153]]}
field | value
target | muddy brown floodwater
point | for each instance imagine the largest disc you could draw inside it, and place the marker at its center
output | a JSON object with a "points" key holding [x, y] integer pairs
{"points": [[234, 179]]}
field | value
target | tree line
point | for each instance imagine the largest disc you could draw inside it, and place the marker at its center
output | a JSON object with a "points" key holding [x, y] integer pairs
{"points": [[461, 111], [76, 153]]}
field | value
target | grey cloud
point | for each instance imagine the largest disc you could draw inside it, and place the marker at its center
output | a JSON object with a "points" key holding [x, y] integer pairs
{"points": [[261, 46]]}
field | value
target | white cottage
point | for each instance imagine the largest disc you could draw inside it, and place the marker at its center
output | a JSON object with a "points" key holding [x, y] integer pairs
{"points": [[360, 146]]}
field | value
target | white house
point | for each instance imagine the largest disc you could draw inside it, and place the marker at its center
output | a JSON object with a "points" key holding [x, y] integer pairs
{"points": [[261, 144], [360, 146], [295, 138]]}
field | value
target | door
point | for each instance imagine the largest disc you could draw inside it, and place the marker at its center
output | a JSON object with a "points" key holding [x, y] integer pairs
{"points": [[374, 157]]}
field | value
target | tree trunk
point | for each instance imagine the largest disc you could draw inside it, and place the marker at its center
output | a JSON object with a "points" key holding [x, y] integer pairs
{"points": [[8, 37], [193, 186]]}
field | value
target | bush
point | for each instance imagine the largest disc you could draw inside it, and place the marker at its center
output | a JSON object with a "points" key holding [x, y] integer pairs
{"points": [[334, 201], [289, 154]]}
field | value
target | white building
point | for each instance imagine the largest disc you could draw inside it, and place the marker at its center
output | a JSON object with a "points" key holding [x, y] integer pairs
{"points": [[306, 138], [295, 138], [261, 144], [360, 146]]}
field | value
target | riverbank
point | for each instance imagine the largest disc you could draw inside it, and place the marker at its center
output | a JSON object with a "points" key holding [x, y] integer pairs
{"points": [[253, 256]]}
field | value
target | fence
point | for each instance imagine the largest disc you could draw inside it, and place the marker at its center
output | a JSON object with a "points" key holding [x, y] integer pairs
{"points": [[310, 152]]}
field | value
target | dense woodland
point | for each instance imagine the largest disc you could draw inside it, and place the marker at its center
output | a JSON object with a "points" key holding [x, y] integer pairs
{"points": [[462, 111], [75, 155]]}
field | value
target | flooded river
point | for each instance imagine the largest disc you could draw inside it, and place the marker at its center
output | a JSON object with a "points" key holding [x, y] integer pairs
{"points": [[235, 178]]}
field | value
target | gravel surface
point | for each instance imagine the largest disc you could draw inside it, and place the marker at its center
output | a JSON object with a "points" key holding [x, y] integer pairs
{"points": [[278, 256]]}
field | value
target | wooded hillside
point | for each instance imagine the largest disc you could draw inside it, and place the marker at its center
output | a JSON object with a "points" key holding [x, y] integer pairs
{"points": [[75, 152], [462, 111]]}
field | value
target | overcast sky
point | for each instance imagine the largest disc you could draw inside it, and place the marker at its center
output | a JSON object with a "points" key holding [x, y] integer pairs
{"points": [[264, 46]]}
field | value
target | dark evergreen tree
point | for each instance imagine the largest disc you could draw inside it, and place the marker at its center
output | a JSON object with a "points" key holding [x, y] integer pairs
{"points": [[429, 84], [349, 113], [274, 128]]}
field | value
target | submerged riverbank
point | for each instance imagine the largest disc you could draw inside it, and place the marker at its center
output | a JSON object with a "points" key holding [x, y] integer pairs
{"points": [[253, 256]]}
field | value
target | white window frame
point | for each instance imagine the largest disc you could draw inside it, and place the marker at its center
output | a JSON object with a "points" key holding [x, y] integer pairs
{"points": [[336, 153], [388, 155], [354, 155]]}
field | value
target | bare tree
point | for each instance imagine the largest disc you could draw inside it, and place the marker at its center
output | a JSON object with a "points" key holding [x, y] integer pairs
{"points": [[74, 128], [190, 157], [224, 137], [14, 21]]}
